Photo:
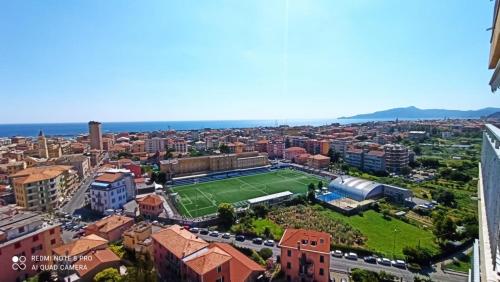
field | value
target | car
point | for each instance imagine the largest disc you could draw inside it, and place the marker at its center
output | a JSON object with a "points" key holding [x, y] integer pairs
{"points": [[399, 263], [352, 256], [337, 253], [204, 231], [370, 259], [269, 243], [257, 241], [194, 230], [384, 261], [226, 235], [240, 238], [214, 233]]}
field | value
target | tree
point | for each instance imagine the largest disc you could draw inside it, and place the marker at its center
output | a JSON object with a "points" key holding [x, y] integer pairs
{"points": [[227, 215], [310, 192], [444, 227], [267, 232], [161, 177], [386, 213], [417, 254], [266, 253], [108, 275], [260, 211], [223, 148], [320, 185], [417, 150], [429, 162], [405, 170], [445, 198]]}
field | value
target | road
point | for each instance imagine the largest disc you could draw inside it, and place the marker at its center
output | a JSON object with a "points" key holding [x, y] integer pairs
{"points": [[344, 265], [78, 199]]}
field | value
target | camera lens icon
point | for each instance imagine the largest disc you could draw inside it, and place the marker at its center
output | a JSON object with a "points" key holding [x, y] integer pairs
{"points": [[18, 262]]}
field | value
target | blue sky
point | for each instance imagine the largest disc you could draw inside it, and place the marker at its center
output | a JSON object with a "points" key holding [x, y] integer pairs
{"points": [[66, 61]]}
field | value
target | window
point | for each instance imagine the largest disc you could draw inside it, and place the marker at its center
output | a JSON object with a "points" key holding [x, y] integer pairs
{"points": [[35, 238], [313, 243], [219, 269], [321, 259], [17, 245], [321, 271], [289, 253], [288, 265], [53, 241], [51, 231], [304, 242]]}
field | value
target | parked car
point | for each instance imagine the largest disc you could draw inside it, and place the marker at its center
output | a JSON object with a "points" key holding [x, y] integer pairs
{"points": [[204, 231], [351, 255], [240, 238], [370, 259], [384, 261], [226, 236], [337, 253], [399, 263], [257, 241], [214, 233], [269, 243], [194, 230]]}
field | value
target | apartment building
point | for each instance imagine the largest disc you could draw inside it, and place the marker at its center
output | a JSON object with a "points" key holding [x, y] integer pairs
{"points": [[180, 255], [354, 157], [341, 145], [79, 162], [25, 234], [318, 161], [305, 255], [292, 153], [275, 148], [374, 161], [396, 157], [155, 144], [111, 190], [38, 188]]}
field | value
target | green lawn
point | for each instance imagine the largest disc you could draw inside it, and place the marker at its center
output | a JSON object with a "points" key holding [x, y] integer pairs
{"points": [[203, 198], [463, 264], [381, 235], [261, 224]]}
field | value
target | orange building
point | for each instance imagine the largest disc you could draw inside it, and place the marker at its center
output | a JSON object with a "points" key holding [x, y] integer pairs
{"points": [[150, 205], [324, 147], [318, 161], [305, 255], [111, 227], [292, 153], [180, 255]]}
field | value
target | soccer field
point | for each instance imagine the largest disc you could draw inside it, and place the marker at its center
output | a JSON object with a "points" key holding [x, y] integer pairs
{"points": [[203, 198]]}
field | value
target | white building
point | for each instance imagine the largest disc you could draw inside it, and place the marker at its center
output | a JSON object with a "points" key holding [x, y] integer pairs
{"points": [[155, 144], [111, 190]]}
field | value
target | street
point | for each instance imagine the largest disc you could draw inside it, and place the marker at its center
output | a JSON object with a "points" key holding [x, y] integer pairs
{"points": [[344, 265], [77, 200]]}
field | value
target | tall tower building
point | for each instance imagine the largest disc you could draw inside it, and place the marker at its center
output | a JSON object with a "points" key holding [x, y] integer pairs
{"points": [[95, 135], [43, 151]]}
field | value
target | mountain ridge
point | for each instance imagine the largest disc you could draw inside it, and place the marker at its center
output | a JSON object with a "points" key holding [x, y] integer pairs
{"points": [[414, 112]]}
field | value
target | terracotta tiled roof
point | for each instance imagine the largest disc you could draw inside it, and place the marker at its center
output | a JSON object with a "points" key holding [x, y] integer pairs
{"points": [[241, 266], [179, 241], [108, 177], [308, 239], [150, 200], [109, 223], [34, 174], [207, 260], [319, 157], [94, 259], [295, 149], [80, 246]]}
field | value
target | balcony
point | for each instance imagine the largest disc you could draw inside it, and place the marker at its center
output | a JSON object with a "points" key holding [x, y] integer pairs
{"points": [[489, 205]]}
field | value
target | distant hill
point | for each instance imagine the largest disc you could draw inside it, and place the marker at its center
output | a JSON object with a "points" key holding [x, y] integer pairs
{"points": [[494, 115], [414, 112]]}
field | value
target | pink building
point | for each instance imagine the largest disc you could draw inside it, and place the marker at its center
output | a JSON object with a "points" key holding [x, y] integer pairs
{"points": [[292, 153], [305, 255], [22, 235], [150, 205]]}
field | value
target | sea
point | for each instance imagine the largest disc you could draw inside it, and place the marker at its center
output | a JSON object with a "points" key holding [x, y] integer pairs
{"points": [[73, 129]]}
